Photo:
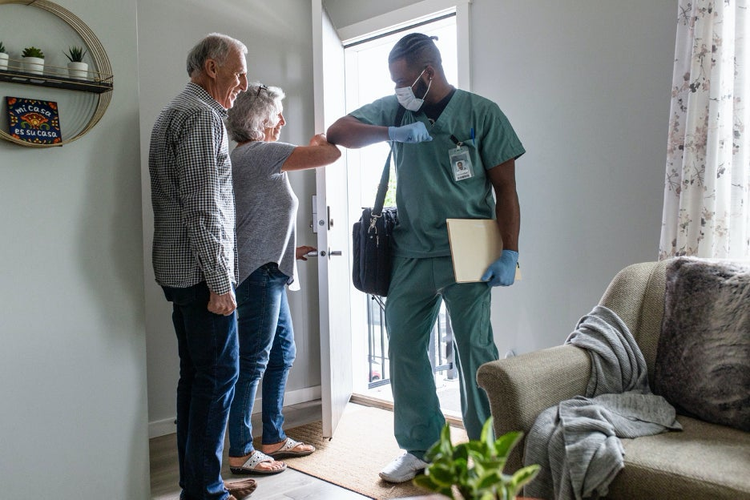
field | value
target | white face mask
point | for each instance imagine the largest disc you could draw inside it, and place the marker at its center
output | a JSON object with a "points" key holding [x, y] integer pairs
{"points": [[406, 97]]}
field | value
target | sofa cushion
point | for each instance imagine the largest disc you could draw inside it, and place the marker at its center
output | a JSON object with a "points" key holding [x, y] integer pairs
{"points": [[703, 354], [703, 461]]}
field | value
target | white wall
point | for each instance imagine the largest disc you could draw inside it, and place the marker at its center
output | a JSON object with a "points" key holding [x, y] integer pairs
{"points": [[586, 84], [278, 35], [72, 363]]}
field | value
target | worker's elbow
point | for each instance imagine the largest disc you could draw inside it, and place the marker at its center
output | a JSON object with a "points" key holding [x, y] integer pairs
{"points": [[335, 134]]}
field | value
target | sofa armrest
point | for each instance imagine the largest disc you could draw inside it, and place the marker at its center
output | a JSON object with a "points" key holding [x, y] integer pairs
{"points": [[520, 388]]}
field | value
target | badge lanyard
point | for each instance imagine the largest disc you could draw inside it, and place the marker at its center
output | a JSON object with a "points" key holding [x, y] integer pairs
{"points": [[460, 161]]}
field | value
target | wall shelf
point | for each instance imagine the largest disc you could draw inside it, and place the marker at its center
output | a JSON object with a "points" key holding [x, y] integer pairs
{"points": [[59, 82], [100, 86]]}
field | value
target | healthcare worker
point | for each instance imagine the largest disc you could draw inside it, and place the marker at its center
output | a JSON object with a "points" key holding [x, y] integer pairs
{"points": [[452, 149]]}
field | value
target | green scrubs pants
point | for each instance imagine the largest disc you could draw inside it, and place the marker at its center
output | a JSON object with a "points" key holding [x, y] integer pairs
{"points": [[417, 289]]}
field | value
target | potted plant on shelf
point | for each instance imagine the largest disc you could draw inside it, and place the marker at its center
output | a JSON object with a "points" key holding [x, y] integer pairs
{"points": [[3, 58], [475, 468], [76, 67], [33, 60]]}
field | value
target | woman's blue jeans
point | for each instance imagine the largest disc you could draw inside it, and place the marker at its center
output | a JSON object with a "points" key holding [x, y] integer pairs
{"points": [[267, 352], [207, 344]]}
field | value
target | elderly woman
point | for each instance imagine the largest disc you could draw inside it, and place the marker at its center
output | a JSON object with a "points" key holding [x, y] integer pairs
{"points": [[266, 210]]}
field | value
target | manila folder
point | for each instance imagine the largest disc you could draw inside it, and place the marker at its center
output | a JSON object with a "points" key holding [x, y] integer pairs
{"points": [[475, 244]]}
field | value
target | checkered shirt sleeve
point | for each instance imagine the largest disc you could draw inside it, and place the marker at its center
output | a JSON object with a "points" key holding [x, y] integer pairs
{"points": [[192, 195]]}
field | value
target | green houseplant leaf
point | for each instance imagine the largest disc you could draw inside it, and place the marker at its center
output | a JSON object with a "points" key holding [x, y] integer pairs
{"points": [[75, 54], [427, 483], [2, 48], [475, 468], [522, 477], [32, 52], [504, 444]]}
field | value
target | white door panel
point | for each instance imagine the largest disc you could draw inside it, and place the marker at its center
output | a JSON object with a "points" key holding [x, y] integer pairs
{"points": [[333, 227]]}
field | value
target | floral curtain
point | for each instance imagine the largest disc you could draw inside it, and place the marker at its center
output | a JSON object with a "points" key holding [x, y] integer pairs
{"points": [[707, 189]]}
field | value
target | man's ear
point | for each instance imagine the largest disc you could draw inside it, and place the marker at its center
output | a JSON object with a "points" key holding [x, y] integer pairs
{"points": [[210, 68], [429, 72]]}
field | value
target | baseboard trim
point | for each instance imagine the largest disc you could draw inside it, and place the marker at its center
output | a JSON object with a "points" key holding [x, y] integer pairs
{"points": [[158, 428]]}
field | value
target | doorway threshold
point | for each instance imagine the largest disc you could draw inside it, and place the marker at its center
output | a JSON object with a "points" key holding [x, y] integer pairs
{"points": [[453, 418]]}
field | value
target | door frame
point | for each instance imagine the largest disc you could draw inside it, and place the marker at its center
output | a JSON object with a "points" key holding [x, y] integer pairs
{"points": [[337, 354], [333, 270], [415, 13]]}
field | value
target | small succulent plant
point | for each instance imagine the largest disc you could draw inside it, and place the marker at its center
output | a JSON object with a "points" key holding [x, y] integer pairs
{"points": [[2, 48], [33, 52], [75, 54]]}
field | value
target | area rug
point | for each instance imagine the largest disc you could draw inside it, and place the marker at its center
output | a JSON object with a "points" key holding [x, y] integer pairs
{"points": [[362, 444]]}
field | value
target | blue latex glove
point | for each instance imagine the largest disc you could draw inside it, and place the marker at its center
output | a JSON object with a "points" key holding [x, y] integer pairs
{"points": [[411, 133], [502, 272]]}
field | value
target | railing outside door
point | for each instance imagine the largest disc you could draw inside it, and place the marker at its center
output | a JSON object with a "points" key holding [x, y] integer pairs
{"points": [[441, 348]]}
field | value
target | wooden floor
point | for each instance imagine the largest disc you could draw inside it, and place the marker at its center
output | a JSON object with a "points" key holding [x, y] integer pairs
{"points": [[288, 485]]}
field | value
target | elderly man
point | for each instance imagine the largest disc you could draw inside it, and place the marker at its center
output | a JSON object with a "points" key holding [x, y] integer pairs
{"points": [[453, 149], [194, 257]]}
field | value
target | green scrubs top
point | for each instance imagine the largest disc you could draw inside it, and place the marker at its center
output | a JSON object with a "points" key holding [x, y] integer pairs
{"points": [[426, 192]]}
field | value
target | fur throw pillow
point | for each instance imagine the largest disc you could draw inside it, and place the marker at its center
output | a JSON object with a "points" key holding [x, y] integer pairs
{"points": [[703, 358]]}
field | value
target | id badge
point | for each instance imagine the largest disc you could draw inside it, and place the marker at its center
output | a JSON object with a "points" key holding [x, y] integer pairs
{"points": [[461, 163]]}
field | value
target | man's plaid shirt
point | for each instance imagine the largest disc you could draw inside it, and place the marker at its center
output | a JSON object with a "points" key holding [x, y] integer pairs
{"points": [[192, 195]]}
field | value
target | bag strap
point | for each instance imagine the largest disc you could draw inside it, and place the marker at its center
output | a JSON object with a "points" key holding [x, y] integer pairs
{"points": [[377, 209]]}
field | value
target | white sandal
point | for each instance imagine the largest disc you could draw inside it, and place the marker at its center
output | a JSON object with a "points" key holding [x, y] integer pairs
{"points": [[288, 450], [251, 466]]}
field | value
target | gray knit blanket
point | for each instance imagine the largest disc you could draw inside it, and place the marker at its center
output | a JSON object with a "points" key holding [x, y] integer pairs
{"points": [[577, 443]]}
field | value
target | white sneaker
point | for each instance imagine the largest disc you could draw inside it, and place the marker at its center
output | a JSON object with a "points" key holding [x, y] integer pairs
{"points": [[403, 469]]}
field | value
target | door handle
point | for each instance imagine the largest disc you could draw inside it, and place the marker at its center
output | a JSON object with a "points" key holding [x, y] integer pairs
{"points": [[323, 253]]}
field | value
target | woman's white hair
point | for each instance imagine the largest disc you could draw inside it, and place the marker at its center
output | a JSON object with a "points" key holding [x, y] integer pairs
{"points": [[214, 46], [254, 110]]}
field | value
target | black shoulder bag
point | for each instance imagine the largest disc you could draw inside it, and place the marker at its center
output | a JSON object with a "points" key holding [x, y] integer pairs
{"points": [[372, 237]]}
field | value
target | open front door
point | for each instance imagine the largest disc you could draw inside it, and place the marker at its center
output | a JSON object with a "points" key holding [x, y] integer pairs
{"points": [[332, 226]]}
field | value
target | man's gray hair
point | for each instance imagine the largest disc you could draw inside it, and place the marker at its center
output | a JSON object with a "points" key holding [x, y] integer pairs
{"points": [[254, 110], [214, 46]]}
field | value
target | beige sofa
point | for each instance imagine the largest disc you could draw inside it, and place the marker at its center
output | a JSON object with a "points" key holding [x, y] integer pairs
{"points": [[705, 461]]}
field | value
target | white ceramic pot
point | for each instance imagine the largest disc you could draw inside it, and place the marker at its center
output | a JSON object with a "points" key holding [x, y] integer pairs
{"points": [[78, 70], [3, 61], [34, 65]]}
